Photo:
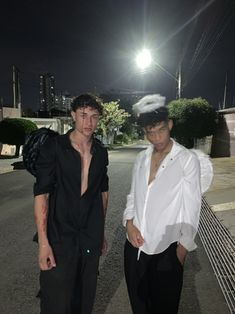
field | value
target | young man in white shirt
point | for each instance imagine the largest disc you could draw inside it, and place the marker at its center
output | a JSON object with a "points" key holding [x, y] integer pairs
{"points": [[161, 215]]}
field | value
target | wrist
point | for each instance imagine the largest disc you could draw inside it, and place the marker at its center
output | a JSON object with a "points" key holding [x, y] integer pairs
{"points": [[129, 223], [43, 242]]}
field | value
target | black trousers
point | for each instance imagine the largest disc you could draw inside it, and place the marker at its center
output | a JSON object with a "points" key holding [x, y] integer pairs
{"points": [[70, 287], [154, 282]]}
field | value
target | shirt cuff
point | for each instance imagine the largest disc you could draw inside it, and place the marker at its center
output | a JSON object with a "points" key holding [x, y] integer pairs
{"points": [[188, 243], [127, 216]]}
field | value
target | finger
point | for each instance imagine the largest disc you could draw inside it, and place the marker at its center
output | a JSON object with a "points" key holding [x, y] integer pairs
{"points": [[104, 248], [140, 240], [135, 243], [52, 260], [43, 264]]}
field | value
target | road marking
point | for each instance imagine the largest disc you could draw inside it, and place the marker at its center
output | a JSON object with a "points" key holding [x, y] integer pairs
{"points": [[223, 206]]}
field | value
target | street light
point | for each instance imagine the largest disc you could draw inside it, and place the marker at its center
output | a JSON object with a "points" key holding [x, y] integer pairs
{"points": [[144, 61]]}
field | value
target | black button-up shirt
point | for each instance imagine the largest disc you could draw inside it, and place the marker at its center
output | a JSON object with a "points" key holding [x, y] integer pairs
{"points": [[72, 218]]}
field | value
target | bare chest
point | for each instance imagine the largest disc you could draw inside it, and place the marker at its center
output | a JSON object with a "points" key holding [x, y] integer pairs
{"points": [[156, 161], [86, 157]]}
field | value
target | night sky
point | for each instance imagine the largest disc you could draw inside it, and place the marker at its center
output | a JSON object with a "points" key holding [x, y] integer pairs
{"points": [[91, 46]]}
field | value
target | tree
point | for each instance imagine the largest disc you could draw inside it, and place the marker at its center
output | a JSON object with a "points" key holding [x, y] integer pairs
{"points": [[112, 119], [193, 119], [14, 131]]}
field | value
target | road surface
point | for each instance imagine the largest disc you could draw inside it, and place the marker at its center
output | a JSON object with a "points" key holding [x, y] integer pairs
{"points": [[18, 262]]}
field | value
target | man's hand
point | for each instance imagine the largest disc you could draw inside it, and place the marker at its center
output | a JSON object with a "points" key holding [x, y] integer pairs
{"points": [[104, 246], [46, 257], [181, 253], [134, 234]]}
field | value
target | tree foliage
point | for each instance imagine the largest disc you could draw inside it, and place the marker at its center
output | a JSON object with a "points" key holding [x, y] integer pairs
{"points": [[14, 131], [112, 119], [193, 119]]}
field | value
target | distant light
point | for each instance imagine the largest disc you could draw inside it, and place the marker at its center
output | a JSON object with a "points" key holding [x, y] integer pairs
{"points": [[143, 59]]}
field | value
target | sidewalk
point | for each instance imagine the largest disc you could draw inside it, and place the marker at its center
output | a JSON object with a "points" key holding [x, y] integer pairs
{"points": [[221, 195], [6, 164]]}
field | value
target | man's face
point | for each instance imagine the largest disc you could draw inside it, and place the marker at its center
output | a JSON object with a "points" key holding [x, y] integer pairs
{"points": [[86, 120], [159, 135]]}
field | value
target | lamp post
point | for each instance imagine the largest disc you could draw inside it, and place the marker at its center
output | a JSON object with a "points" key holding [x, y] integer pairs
{"points": [[144, 61]]}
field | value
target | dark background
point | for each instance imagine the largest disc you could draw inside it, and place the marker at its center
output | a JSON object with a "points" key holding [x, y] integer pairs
{"points": [[91, 46]]}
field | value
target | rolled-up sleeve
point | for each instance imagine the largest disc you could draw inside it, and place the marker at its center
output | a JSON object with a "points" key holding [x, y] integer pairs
{"points": [[192, 203], [105, 179], [46, 168]]}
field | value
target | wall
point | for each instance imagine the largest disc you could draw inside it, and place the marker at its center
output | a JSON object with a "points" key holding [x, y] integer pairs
{"points": [[60, 124], [9, 112], [223, 143]]}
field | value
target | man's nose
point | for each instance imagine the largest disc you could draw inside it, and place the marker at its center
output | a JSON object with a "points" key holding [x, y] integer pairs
{"points": [[156, 135], [89, 121]]}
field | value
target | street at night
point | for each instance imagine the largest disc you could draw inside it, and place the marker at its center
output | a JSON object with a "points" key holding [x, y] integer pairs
{"points": [[19, 276], [92, 79]]}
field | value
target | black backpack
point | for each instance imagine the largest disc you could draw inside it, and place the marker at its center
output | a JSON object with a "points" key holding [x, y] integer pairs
{"points": [[32, 146]]}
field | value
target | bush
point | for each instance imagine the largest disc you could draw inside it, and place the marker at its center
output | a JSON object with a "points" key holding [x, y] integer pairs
{"points": [[14, 131], [193, 119], [122, 139]]}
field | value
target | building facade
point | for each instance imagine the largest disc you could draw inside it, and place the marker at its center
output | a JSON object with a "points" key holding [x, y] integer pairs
{"points": [[47, 92]]}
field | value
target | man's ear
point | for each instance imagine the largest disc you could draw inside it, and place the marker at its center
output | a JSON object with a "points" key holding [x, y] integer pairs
{"points": [[73, 115], [170, 124]]}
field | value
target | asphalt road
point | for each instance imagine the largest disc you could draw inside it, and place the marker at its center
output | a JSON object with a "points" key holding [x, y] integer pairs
{"points": [[18, 261]]}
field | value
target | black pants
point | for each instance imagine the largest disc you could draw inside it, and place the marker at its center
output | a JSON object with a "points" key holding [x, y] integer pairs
{"points": [[70, 287], [154, 282]]}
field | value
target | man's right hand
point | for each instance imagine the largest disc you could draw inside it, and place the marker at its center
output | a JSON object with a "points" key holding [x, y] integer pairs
{"points": [[46, 257], [134, 234]]}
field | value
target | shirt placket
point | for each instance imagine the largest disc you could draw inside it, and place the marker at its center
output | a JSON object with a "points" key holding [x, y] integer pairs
{"points": [[160, 170], [142, 227]]}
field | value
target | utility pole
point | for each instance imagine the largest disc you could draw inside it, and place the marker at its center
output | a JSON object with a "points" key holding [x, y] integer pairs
{"points": [[179, 83], [14, 85], [16, 88], [225, 90]]}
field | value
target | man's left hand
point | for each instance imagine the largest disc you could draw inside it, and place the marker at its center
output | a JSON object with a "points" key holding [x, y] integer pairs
{"points": [[181, 253]]}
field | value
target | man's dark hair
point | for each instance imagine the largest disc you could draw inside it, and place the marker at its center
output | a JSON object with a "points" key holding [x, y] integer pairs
{"points": [[87, 100], [152, 118]]}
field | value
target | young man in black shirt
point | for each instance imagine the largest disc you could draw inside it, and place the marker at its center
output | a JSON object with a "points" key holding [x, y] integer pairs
{"points": [[71, 195]]}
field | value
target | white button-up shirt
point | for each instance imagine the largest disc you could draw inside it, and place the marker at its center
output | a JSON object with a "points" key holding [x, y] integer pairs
{"points": [[166, 210]]}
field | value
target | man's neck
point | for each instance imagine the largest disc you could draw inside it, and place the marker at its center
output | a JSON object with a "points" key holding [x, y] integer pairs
{"points": [[79, 138], [166, 150]]}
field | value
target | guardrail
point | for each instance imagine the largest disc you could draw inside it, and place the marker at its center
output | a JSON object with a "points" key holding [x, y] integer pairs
{"points": [[220, 248]]}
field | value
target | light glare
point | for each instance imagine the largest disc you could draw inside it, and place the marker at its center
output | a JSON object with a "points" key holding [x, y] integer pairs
{"points": [[144, 59]]}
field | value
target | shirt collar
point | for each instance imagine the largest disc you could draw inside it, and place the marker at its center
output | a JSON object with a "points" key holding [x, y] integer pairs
{"points": [[176, 148], [69, 146]]}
